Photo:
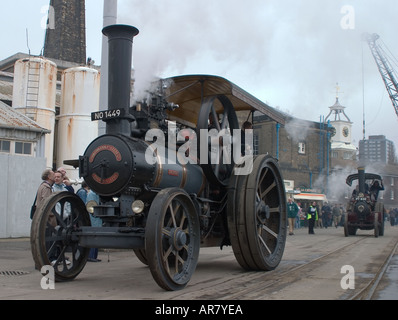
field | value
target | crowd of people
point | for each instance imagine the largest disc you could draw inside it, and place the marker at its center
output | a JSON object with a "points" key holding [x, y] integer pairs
{"points": [[57, 181], [328, 215], [314, 216]]}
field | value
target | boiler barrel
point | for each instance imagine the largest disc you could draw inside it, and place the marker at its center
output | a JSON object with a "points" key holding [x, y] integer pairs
{"points": [[189, 177], [114, 164]]}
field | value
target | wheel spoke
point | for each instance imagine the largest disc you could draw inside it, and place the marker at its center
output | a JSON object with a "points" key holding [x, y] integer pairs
{"points": [[179, 259], [58, 218], [264, 244], [167, 253], [52, 249], [215, 118], [183, 219], [266, 229], [260, 182], [166, 232], [225, 122], [275, 210], [266, 191], [172, 214], [61, 257]]}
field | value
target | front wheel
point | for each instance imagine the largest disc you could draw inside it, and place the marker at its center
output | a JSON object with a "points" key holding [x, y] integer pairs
{"points": [[172, 239], [52, 235]]}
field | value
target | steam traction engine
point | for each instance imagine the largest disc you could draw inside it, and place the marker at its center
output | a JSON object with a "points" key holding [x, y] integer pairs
{"points": [[165, 202], [364, 210]]}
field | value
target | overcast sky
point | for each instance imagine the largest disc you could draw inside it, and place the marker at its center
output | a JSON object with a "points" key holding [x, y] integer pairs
{"points": [[288, 53]]}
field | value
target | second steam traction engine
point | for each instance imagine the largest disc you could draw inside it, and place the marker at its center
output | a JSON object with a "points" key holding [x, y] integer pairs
{"points": [[167, 181], [365, 211]]}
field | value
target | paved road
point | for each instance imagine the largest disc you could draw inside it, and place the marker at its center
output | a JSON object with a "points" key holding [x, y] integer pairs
{"points": [[120, 275]]}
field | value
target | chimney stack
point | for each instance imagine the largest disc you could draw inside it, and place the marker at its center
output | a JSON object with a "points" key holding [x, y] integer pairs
{"points": [[120, 40], [66, 37]]}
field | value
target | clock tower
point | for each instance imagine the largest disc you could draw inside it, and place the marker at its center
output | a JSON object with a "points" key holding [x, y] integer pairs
{"points": [[342, 146], [340, 121]]}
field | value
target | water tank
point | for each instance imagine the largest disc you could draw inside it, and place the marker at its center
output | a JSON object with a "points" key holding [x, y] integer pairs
{"points": [[79, 98], [34, 94]]}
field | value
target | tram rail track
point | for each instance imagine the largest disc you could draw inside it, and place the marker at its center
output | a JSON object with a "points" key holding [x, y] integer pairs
{"points": [[369, 291], [260, 285], [285, 277], [269, 285]]}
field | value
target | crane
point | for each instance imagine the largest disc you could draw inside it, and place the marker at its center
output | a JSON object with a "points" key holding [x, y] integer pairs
{"points": [[385, 68]]}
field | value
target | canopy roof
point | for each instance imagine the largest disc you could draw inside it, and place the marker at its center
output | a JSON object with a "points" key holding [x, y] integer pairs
{"points": [[368, 176], [188, 92]]}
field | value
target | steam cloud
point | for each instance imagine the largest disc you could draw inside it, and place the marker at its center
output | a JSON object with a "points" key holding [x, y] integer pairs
{"points": [[288, 53]]}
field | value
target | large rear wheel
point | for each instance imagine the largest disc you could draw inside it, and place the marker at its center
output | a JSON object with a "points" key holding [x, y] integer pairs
{"points": [[257, 219]]}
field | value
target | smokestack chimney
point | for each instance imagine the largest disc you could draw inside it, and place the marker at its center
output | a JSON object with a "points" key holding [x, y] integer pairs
{"points": [[120, 40], [361, 179], [110, 18]]}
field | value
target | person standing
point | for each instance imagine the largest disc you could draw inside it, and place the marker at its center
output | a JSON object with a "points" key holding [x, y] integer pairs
{"points": [[375, 189], [59, 184], [292, 210], [312, 216], [95, 222], [336, 212], [326, 213], [83, 191], [45, 188], [299, 216], [392, 217], [66, 181], [43, 192]]}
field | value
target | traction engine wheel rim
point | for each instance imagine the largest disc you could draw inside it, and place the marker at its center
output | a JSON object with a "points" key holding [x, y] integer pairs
{"points": [[52, 240], [258, 225], [172, 239], [220, 172], [235, 219]]}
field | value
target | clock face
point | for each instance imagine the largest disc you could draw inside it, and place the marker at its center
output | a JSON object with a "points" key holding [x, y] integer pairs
{"points": [[345, 132]]}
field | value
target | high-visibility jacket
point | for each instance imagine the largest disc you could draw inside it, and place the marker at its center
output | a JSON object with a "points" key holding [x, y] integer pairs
{"points": [[312, 213]]}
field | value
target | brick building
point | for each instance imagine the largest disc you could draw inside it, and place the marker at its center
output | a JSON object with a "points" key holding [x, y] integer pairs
{"points": [[66, 31], [302, 148]]}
